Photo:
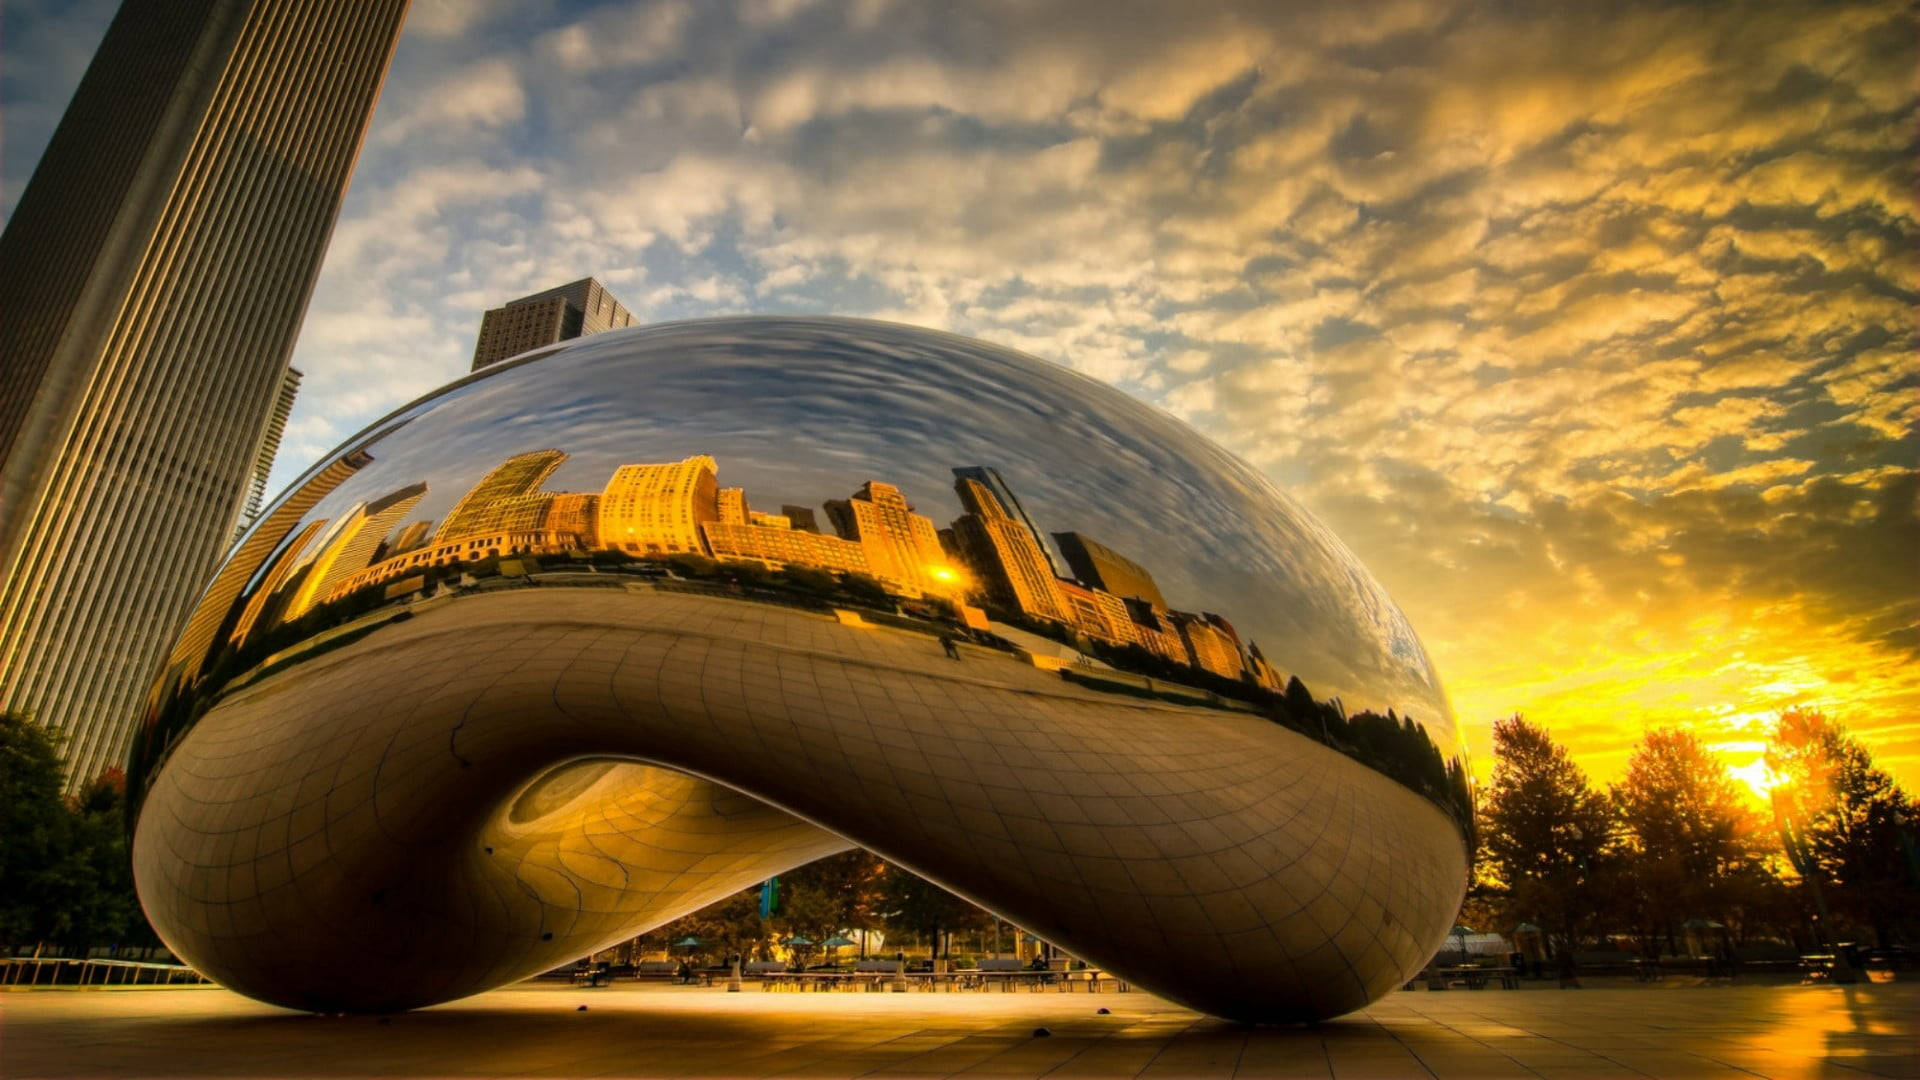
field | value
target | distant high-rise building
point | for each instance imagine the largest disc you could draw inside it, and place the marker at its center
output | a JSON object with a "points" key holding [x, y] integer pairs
{"points": [[194, 646], [153, 277], [1154, 629], [415, 535], [558, 314], [1098, 612], [1004, 552], [779, 547], [1102, 567], [802, 517], [1208, 647], [903, 548], [269, 449], [989, 477], [508, 487], [350, 549], [732, 504], [571, 522], [658, 509]]}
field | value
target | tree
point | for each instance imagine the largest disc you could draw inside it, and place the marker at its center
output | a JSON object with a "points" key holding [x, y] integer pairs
{"points": [[65, 875], [917, 907], [37, 858], [725, 928], [1689, 832], [865, 589], [849, 884], [1857, 826], [1548, 833]]}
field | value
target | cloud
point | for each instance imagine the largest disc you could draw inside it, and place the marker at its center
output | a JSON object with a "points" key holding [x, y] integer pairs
{"points": [[1591, 331]]}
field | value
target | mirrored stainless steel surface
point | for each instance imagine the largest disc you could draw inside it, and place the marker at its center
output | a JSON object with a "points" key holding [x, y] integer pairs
{"points": [[908, 591]]}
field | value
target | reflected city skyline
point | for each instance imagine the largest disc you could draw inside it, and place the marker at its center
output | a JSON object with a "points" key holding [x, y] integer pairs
{"points": [[979, 488]]}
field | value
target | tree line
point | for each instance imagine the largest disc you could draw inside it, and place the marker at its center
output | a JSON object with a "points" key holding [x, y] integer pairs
{"points": [[1676, 846]]}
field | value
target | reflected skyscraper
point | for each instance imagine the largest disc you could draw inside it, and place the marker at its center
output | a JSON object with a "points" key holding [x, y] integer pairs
{"points": [[1104, 568], [901, 546], [153, 276], [351, 548], [487, 505], [990, 479], [1003, 549], [658, 509]]}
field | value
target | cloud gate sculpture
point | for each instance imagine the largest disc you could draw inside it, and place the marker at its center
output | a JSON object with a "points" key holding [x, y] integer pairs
{"points": [[595, 637]]}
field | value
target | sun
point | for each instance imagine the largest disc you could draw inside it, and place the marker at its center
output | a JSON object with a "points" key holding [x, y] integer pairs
{"points": [[1756, 777]]}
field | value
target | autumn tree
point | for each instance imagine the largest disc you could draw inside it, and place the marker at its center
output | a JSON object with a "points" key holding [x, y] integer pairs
{"points": [[838, 893], [1856, 825], [1690, 836], [915, 907], [1549, 834]]}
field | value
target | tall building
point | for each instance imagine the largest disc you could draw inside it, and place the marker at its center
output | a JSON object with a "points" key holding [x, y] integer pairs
{"points": [[1208, 646], [802, 517], [350, 549], [269, 449], [507, 487], [732, 506], [153, 277], [989, 477], [203, 628], [1005, 554], [1102, 567], [658, 509], [558, 314], [570, 522], [1098, 613], [902, 547], [779, 547]]}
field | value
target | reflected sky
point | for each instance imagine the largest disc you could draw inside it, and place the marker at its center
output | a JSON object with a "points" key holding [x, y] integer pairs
{"points": [[803, 410]]}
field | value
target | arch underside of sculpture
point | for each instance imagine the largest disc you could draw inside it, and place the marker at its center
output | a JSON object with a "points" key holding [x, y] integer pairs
{"points": [[507, 781]]}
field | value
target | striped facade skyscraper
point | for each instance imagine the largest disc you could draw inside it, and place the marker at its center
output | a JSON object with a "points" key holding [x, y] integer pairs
{"points": [[269, 449], [154, 274]]}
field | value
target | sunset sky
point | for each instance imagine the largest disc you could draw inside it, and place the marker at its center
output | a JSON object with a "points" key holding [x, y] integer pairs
{"points": [[1592, 333]]}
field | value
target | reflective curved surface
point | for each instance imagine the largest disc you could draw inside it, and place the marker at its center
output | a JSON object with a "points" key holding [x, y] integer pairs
{"points": [[595, 637]]}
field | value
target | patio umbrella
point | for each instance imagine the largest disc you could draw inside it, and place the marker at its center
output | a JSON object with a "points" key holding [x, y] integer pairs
{"points": [[1527, 928], [1461, 932], [798, 940], [689, 941], [836, 941]]}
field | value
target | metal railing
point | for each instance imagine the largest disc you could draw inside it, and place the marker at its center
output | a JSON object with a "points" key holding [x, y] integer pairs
{"points": [[93, 971]]}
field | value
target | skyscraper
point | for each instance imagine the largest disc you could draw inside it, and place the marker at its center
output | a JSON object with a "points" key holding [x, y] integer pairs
{"points": [[558, 314], [801, 517], [153, 277], [1104, 568], [989, 477], [658, 509], [488, 504], [269, 449], [351, 549], [1005, 553], [902, 547]]}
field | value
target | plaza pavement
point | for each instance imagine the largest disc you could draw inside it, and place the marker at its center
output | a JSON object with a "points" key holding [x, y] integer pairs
{"points": [[656, 1030]]}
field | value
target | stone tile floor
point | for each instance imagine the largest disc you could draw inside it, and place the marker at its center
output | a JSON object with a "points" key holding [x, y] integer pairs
{"points": [[652, 1030]]}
